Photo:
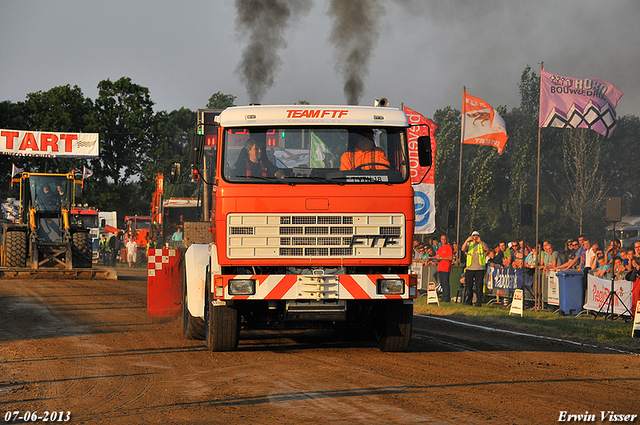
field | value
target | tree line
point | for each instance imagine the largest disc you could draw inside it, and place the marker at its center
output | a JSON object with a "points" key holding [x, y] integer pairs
{"points": [[579, 168], [136, 143]]}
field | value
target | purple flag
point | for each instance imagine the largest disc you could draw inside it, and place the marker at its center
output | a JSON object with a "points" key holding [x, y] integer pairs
{"points": [[567, 102]]}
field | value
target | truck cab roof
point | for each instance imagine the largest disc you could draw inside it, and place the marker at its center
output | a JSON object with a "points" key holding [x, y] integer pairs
{"points": [[294, 115]]}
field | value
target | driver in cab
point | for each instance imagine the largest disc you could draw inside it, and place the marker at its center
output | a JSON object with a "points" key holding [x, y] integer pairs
{"points": [[364, 154], [253, 163], [46, 198]]}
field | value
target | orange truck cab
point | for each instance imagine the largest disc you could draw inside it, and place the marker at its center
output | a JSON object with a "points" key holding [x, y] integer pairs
{"points": [[138, 228], [313, 220]]}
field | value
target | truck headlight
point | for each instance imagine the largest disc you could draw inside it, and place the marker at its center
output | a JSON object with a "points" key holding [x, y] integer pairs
{"points": [[242, 286], [390, 286]]}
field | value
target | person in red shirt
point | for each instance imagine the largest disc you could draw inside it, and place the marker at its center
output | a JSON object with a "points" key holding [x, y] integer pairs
{"points": [[444, 257], [365, 155]]}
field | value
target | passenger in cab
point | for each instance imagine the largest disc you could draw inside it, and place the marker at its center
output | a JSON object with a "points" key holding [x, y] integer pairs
{"points": [[363, 154]]}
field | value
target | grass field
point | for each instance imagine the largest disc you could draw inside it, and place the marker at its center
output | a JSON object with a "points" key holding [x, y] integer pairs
{"points": [[597, 331]]}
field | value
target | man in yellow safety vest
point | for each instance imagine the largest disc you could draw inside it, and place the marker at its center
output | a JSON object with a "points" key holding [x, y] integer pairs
{"points": [[476, 268]]}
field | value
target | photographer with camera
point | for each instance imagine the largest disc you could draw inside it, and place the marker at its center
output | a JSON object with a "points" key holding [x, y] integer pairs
{"points": [[476, 268]]}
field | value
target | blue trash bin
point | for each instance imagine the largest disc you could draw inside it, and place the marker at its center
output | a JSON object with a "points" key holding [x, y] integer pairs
{"points": [[571, 291]]}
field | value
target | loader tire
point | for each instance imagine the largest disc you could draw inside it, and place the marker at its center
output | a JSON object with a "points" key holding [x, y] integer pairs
{"points": [[81, 250], [393, 331], [15, 249]]}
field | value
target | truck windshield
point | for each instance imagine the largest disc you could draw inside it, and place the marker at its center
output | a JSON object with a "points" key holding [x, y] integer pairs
{"points": [[50, 193], [315, 155], [143, 224]]}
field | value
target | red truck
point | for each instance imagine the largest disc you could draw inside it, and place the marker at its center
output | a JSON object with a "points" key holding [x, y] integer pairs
{"points": [[308, 241]]}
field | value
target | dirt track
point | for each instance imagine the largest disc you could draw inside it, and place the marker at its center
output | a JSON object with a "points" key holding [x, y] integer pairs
{"points": [[89, 347]]}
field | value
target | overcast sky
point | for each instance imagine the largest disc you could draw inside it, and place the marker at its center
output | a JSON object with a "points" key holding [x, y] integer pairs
{"points": [[422, 55]]}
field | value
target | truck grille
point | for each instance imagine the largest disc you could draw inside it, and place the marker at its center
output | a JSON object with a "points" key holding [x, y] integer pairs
{"points": [[326, 236]]}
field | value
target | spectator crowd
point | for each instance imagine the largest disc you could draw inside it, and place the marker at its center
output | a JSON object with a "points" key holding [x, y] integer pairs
{"points": [[582, 254]]}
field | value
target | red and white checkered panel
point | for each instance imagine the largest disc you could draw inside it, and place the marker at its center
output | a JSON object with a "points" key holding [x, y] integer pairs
{"points": [[159, 258], [164, 282]]}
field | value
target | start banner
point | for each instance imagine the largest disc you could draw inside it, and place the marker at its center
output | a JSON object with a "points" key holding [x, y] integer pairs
{"points": [[598, 291], [48, 144]]}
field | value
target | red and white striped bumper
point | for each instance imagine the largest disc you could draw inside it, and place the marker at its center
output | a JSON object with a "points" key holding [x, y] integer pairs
{"points": [[305, 287]]}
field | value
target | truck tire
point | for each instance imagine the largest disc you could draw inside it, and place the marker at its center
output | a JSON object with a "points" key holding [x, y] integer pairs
{"points": [[15, 254], [141, 258], [222, 324], [393, 331], [81, 250], [192, 327]]}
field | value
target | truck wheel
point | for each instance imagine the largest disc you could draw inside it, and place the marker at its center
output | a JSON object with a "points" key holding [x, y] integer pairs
{"points": [[81, 250], [141, 258], [222, 324], [15, 249], [393, 331], [192, 327]]}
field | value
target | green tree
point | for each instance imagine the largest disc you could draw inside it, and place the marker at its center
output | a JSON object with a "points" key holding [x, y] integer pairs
{"points": [[620, 163], [12, 115], [60, 109], [170, 141], [529, 92], [446, 159], [124, 111], [519, 169], [218, 100], [585, 186], [125, 116]]}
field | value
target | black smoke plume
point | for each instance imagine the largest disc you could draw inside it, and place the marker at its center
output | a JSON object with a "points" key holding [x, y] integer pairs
{"points": [[354, 35], [263, 24]]}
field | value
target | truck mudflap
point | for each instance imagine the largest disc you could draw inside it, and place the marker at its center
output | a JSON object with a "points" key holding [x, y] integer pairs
{"points": [[197, 265], [313, 287]]}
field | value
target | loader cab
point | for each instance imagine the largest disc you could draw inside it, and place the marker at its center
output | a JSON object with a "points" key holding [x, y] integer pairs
{"points": [[45, 195], [50, 193], [51, 198]]}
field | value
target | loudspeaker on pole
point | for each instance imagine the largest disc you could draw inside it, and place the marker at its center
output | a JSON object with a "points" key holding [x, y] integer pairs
{"points": [[614, 209], [447, 218], [525, 215]]}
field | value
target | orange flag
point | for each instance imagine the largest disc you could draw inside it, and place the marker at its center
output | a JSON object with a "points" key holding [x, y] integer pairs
{"points": [[482, 124]]}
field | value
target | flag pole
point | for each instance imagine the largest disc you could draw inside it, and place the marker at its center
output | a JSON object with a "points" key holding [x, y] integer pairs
{"points": [[536, 290], [464, 91]]}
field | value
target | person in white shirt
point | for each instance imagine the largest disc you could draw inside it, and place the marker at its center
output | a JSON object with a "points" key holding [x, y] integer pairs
{"points": [[132, 247], [591, 257]]}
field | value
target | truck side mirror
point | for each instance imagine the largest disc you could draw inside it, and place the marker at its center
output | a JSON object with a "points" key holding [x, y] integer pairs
{"points": [[175, 173], [197, 149], [424, 151]]}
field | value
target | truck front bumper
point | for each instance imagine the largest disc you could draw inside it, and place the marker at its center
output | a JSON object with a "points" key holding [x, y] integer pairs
{"points": [[314, 287]]}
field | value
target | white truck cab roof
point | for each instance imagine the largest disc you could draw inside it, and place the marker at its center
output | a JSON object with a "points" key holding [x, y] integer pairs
{"points": [[286, 115]]}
